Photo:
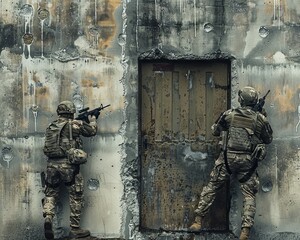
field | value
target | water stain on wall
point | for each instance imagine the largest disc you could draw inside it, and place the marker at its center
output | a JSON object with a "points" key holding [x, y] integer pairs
{"points": [[52, 51]]}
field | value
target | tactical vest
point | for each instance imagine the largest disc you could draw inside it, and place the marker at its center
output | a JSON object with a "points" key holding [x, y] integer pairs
{"points": [[243, 127], [55, 146]]}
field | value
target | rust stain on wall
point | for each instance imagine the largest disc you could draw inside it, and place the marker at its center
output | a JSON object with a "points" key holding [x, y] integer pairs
{"points": [[174, 120], [277, 8], [56, 50], [100, 22], [52, 51], [284, 96]]}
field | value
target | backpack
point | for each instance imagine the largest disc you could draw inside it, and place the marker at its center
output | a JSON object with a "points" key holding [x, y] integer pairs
{"points": [[52, 147], [242, 129]]}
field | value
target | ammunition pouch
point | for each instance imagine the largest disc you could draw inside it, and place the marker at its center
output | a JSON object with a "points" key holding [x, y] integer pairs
{"points": [[77, 156], [259, 152]]}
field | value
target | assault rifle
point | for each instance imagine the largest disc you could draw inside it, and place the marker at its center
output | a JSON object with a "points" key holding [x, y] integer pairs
{"points": [[84, 113], [261, 102]]}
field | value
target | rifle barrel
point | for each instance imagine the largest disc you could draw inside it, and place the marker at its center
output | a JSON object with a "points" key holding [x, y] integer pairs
{"points": [[267, 93]]}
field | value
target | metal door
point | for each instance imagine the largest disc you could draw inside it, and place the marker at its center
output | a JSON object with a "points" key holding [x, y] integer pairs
{"points": [[178, 103]]}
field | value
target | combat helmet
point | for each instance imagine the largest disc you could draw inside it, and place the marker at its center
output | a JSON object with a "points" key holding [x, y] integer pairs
{"points": [[248, 96], [66, 107]]}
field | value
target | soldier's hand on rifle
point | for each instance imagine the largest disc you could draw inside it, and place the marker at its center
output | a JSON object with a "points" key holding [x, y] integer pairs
{"points": [[96, 113], [263, 111], [92, 120]]}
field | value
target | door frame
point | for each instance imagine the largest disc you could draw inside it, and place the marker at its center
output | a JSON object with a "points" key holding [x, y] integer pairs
{"points": [[150, 59]]}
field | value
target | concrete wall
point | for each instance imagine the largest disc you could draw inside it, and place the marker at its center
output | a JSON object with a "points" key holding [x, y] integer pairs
{"points": [[260, 38], [87, 51], [53, 51]]}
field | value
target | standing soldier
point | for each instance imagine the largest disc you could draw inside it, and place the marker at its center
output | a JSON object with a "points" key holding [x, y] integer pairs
{"points": [[63, 147], [245, 133]]}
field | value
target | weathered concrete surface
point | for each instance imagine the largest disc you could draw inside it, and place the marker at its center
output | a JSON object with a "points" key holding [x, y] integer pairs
{"points": [[260, 37], [88, 51], [52, 51]]}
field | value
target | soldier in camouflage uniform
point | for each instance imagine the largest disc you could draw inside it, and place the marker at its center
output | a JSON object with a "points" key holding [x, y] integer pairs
{"points": [[65, 155], [245, 133]]}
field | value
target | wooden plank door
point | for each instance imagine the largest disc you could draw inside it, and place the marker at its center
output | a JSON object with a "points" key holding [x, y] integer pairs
{"points": [[179, 101]]}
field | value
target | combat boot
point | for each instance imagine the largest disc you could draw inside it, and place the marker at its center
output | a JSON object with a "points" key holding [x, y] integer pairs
{"points": [[48, 227], [197, 225], [77, 232], [245, 233]]}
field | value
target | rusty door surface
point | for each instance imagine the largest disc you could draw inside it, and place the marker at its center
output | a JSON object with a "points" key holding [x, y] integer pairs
{"points": [[179, 103]]}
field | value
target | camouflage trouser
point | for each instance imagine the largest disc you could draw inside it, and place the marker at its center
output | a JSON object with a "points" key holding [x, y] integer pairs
{"points": [[239, 165], [58, 173]]}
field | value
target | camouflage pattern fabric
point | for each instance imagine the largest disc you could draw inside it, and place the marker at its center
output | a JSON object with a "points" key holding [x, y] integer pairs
{"points": [[62, 171], [77, 156], [239, 164], [263, 132]]}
